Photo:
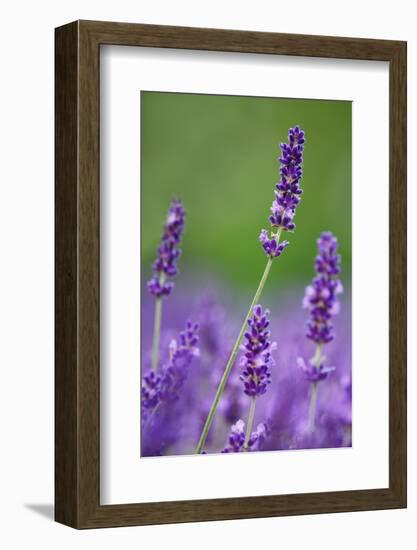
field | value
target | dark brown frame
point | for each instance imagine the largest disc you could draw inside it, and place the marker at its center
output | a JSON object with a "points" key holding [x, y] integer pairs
{"points": [[77, 371]]}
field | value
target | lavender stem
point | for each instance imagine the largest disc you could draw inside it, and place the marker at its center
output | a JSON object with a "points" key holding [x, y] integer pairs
{"points": [[152, 414], [249, 424], [312, 409], [314, 388], [232, 357], [157, 326]]}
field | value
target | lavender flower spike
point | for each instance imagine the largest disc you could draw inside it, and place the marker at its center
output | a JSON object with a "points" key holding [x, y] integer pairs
{"points": [[321, 300], [181, 354], [166, 387], [256, 375], [287, 193], [165, 266], [168, 251], [321, 297], [256, 361]]}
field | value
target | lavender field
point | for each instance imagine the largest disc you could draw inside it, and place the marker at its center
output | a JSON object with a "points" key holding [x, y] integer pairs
{"points": [[284, 408]]}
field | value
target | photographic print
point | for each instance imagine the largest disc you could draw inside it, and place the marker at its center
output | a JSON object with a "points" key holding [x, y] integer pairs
{"points": [[246, 251]]}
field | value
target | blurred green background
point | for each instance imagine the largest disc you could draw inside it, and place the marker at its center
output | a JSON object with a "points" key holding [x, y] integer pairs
{"points": [[219, 155]]}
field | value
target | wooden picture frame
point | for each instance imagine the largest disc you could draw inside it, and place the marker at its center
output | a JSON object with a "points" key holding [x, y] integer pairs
{"points": [[77, 382]]}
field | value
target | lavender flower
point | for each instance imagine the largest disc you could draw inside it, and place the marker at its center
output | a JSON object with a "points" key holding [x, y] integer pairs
{"points": [[236, 439], [168, 251], [271, 246], [312, 372], [321, 300], [258, 437], [181, 354], [257, 359], [151, 393], [166, 387], [165, 266], [287, 193], [320, 297], [256, 374]]}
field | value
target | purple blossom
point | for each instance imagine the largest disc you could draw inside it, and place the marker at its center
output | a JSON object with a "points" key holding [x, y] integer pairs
{"points": [[314, 373], [320, 298], [168, 251], [236, 439], [258, 437], [181, 354], [327, 262], [166, 387], [151, 395], [271, 246], [296, 136], [256, 374], [287, 192]]}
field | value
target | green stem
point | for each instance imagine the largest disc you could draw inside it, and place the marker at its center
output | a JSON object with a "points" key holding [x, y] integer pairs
{"points": [[317, 356], [231, 360], [157, 326], [312, 409], [314, 388], [155, 410], [250, 423]]}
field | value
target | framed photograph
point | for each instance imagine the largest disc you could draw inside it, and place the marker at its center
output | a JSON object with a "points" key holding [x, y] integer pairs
{"points": [[230, 274]]}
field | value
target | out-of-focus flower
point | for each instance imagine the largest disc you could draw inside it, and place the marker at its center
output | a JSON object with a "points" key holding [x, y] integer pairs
{"points": [[168, 251], [214, 330], [166, 386], [181, 354], [236, 439], [321, 297], [312, 372], [256, 362], [151, 393], [258, 437]]}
